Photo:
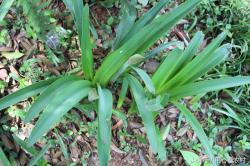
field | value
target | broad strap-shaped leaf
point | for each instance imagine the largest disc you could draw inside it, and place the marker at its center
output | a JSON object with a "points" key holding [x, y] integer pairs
{"points": [[86, 45], [145, 19], [76, 9], [48, 95], [141, 41], [207, 86], [3, 159], [128, 16], [58, 107], [146, 79], [4, 8], [191, 119], [219, 56], [152, 131], [81, 19], [40, 154], [163, 71], [198, 63], [165, 22], [25, 93], [105, 105], [186, 55]]}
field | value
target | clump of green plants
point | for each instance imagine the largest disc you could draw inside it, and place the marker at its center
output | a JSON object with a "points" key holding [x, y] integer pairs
{"points": [[178, 75]]}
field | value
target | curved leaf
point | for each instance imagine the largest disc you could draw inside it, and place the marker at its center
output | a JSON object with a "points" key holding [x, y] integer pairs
{"points": [[152, 131], [58, 107], [146, 79], [105, 105], [48, 95], [200, 62], [207, 86], [198, 130], [86, 45], [25, 93]]}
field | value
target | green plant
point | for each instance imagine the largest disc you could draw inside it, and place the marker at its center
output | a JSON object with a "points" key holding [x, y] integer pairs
{"points": [[175, 78], [39, 18]]}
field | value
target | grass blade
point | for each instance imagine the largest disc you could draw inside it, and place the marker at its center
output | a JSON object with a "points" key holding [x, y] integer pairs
{"points": [[48, 95], [63, 147], [58, 107], [123, 93], [4, 7], [25, 93], [36, 158], [198, 130], [86, 45], [152, 131], [207, 86], [3, 159], [105, 105]]}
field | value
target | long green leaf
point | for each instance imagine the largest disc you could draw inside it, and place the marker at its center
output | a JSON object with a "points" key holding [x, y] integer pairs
{"points": [[4, 8], [128, 16], [145, 19], [31, 150], [105, 105], [165, 22], [24, 146], [218, 57], [76, 9], [123, 93], [25, 93], [49, 94], [36, 158], [146, 79], [141, 41], [207, 86], [86, 46], [198, 63], [152, 131], [63, 147], [58, 107], [163, 71], [3, 159], [198, 131], [186, 56]]}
